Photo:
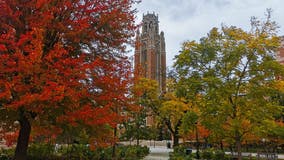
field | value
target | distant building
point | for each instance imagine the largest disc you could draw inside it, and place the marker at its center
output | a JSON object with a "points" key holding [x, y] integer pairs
{"points": [[280, 54], [150, 52]]}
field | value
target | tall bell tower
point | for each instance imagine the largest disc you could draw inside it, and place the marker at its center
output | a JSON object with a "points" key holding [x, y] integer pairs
{"points": [[280, 53], [150, 53]]}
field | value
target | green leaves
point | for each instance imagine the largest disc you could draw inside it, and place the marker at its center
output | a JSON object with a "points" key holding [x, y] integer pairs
{"points": [[232, 72], [189, 121]]}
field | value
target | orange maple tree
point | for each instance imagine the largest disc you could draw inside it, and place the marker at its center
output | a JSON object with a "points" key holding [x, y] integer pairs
{"points": [[62, 61]]}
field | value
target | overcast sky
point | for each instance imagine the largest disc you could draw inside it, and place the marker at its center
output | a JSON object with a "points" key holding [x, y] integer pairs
{"points": [[183, 20]]}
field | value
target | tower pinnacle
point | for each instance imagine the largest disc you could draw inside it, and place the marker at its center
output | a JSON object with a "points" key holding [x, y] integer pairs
{"points": [[150, 52]]}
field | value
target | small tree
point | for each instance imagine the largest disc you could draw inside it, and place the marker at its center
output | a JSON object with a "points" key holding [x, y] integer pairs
{"points": [[144, 103], [171, 114]]}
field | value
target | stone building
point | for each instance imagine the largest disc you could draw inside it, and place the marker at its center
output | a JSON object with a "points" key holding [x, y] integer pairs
{"points": [[150, 53], [280, 54]]}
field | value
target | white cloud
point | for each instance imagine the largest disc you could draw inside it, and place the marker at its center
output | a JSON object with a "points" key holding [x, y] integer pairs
{"points": [[183, 20]]}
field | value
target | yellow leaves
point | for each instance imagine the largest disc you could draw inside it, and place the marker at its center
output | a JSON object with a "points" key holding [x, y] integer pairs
{"points": [[213, 34], [243, 126], [146, 86], [173, 109], [173, 106], [235, 33], [279, 85], [189, 44]]}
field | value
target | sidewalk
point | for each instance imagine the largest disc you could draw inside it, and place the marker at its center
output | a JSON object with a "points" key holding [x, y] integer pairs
{"points": [[280, 156], [158, 153], [162, 153]]}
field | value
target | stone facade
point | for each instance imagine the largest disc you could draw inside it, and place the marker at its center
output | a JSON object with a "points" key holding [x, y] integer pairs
{"points": [[280, 54], [150, 53]]}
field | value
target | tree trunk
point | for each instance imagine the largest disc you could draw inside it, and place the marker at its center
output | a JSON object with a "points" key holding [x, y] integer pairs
{"points": [[175, 133], [175, 139], [221, 145], [23, 138], [114, 144], [197, 143], [239, 147]]}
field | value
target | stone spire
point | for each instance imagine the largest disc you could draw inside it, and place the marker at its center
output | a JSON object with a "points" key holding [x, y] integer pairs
{"points": [[150, 52], [280, 53]]}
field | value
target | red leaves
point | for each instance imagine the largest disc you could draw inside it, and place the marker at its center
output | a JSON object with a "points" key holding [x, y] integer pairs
{"points": [[5, 90], [3, 48], [91, 116], [47, 133], [64, 60], [11, 138]]}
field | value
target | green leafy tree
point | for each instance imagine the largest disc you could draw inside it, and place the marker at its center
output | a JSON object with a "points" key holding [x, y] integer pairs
{"points": [[135, 127], [234, 72], [145, 104], [171, 113]]}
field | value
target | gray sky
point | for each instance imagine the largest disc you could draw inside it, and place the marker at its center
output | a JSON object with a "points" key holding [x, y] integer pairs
{"points": [[183, 20]]}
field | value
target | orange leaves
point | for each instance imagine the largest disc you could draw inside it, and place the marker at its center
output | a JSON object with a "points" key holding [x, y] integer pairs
{"points": [[203, 132], [5, 90], [65, 60], [91, 116]]}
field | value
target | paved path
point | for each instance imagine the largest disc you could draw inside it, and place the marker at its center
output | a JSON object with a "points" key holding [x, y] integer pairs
{"points": [[162, 153], [158, 153], [280, 156]]}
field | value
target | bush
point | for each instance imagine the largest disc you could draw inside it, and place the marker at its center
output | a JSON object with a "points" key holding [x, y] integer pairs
{"points": [[180, 150], [7, 154], [219, 155], [40, 151], [174, 156], [134, 152], [180, 153], [207, 154], [78, 151], [122, 152]]}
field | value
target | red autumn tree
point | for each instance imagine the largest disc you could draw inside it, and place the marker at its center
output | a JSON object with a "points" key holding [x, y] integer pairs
{"points": [[61, 57], [111, 90]]}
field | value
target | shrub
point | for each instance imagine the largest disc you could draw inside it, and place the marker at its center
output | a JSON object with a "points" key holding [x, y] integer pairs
{"points": [[207, 154], [40, 151], [180, 153], [78, 151], [7, 154], [135, 152], [180, 150], [219, 155]]}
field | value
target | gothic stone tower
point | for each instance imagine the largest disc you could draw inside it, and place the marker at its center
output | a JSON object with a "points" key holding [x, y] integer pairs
{"points": [[280, 54], [150, 53]]}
